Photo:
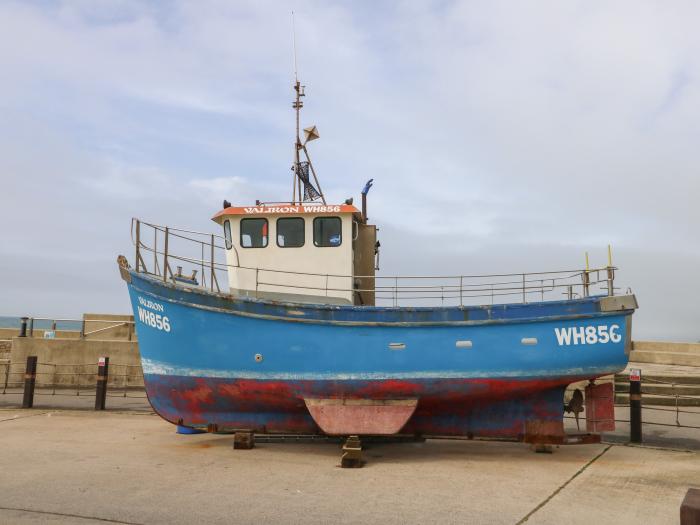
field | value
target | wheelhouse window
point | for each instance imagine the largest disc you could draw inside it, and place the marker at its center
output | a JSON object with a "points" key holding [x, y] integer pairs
{"points": [[253, 233], [328, 231], [227, 235], [290, 232]]}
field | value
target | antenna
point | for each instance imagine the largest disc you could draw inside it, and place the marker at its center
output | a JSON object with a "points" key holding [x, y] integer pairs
{"points": [[294, 47], [301, 169]]}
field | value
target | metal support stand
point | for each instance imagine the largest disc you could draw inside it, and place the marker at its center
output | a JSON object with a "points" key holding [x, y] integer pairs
{"points": [[352, 453], [243, 440], [101, 387], [29, 382]]}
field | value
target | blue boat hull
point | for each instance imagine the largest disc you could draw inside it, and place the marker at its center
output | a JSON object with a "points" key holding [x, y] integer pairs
{"points": [[244, 364]]}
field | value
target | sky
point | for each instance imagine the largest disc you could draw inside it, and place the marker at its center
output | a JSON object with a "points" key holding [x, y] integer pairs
{"points": [[501, 136]]}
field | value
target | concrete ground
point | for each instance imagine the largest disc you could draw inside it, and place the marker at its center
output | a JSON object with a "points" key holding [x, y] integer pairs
{"points": [[129, 466]]}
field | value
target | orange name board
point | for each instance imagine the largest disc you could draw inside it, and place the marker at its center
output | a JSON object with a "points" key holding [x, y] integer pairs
{"points": [[288, 209]]}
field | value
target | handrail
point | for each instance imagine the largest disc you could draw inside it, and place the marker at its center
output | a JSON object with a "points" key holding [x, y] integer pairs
{"points": [[113, 323], [73, 319], [221, 266], [123, 323], [572, 282]]}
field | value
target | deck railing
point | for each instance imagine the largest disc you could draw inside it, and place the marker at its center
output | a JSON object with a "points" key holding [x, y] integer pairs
{"points": [[156, 254]]}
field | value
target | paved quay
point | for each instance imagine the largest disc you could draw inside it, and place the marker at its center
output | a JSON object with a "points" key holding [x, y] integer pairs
{"points": [[80, 466]]}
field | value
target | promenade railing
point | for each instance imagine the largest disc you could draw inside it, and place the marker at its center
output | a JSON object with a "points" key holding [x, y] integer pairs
{"points": [[51, 327]]}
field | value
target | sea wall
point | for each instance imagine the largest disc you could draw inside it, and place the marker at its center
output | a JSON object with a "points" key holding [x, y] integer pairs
{"points": [[69, 358], [72, 362], [666, 353]]}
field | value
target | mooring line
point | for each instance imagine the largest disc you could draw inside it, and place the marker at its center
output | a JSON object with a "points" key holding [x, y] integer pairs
{"points": [[68, 515], [22, 417], [651, 447], [563, 486]]}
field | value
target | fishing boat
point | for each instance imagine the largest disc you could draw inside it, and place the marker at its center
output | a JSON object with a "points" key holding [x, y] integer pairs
{"points": [[306, 337]]}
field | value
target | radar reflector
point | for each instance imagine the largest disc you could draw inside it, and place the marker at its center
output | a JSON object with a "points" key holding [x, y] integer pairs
{"points": [[311, 133]]}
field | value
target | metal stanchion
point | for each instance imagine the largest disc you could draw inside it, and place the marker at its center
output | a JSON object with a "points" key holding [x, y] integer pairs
{"points": [[101, 387], [635, 405], [29, 382]]}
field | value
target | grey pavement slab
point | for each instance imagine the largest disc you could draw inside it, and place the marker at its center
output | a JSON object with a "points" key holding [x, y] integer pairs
{"points": [[625, 485], [131, 467]]}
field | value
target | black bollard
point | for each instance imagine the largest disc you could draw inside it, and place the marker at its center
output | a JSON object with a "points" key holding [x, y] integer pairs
{"points": [[29, 382], [101, 387], [636, 406], [23, 327], [690, 508]]}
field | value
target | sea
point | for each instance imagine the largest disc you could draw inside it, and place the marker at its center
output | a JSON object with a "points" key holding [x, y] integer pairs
{"points": [[39, 324]]}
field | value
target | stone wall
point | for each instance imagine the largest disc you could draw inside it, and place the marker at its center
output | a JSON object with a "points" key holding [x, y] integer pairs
{"points": [[5, 347], [69, 362], [666, 353]]}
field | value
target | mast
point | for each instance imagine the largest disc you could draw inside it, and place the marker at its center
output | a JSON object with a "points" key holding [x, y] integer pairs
{"points": [[297, 105]]}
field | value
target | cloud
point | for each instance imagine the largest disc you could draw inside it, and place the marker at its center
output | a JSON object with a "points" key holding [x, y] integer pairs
{"points": [[501, 136]]}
